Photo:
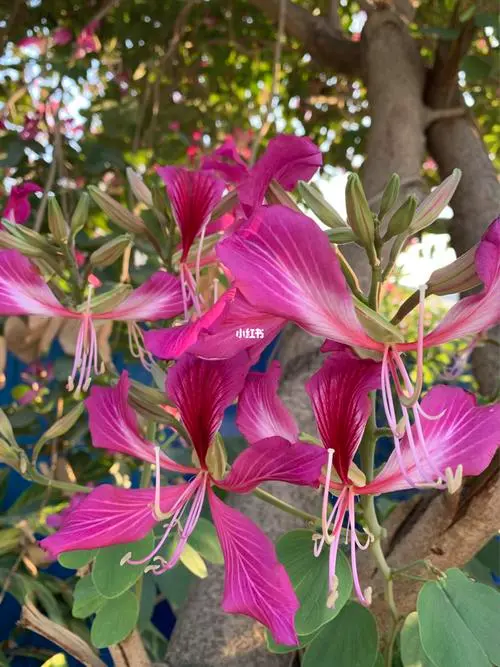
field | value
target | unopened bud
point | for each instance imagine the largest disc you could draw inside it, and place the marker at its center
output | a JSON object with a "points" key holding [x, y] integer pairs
{"points": [[359, 216], [402, 219], [216, 458], [432, 206], [313, 198], [110, 251], [80, 214], [276, 194], [141, 192], [27, 241], [63, 425], [103, 302], [6, 432], [57, 224], [390, 196], [116, 212]]}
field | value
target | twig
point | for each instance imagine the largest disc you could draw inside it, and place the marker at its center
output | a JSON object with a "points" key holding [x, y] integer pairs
{"points": [[33, 620], [333, 15], [273, 101], [101, 13]]}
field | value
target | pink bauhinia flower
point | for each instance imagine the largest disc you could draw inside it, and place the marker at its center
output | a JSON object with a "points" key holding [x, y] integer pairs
{"points": [[87, 41], [18, 207], [463, 442], [62, 36], [256, 584], [287, 159], [286, 267], [23, 291]]}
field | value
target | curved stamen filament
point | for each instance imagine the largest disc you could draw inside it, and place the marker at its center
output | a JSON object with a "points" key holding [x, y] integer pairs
{"points": [[363, 596], [190, 287], [137, 346], [326, 494], [198, 253]]}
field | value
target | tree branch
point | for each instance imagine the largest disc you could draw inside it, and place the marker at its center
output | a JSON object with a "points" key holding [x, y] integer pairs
{"points": [[318, 37]]}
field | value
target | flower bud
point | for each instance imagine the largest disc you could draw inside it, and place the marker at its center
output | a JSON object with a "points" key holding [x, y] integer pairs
{"points": [[80, 214], [319, 206], [63, 425], [101, 303], [216, 458], [116, 212], [141, 192], [402, 219], [341, 235], [276, 194], [430, 209], [57, 223], [110, 251], [359, 216], [6, 432], [27, 241], [390, 196]]}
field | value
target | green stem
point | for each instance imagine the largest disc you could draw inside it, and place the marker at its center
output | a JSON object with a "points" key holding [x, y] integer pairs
{"points": [[286, 507], [34, 476], [76, 281], [144, 483]]}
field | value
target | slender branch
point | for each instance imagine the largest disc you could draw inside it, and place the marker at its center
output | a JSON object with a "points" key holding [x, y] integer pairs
{"points": [[317, 37], [286, 507], [49, 183], [105, 9]]}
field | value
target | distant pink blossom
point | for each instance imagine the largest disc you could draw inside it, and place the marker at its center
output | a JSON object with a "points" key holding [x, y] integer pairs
{"points": [[87, 41], [62, 36], [18, 207]]}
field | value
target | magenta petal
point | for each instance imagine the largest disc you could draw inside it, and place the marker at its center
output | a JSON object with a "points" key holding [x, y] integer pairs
{"points": [[171, 343], [339, 396], [113, 425], [159, 298], [261, 413], [477, 312], [255, 582], [202, 390], [275, 459], [227, 162], [193, 196], [23, 291], [287, 160], [110, 515], [286, 267], [226, 335], [466, 434]]}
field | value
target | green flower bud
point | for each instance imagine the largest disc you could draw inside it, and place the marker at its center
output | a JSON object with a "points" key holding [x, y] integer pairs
{"points": [[57, 224], [80, 214], [359, 216], [110, 251], [116, 212], [432, 206], [141, 192], [390, 195], [319, 206], [402, 219]]}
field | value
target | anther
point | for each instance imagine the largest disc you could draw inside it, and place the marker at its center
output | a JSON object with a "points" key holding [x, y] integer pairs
{"points": [[126, 558]]}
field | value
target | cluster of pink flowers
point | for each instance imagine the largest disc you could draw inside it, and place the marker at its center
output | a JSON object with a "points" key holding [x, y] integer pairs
{"points": [[281, 268]]}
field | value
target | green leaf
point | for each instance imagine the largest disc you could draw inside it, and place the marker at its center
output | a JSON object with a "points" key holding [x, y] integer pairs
{"points": [[309, 577], [86, 598], [115, 620], [459, 622], [412, 653], [479, 607], [204, 539], [304, 640], [351, 639], [110, 577], [74, 560]]}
